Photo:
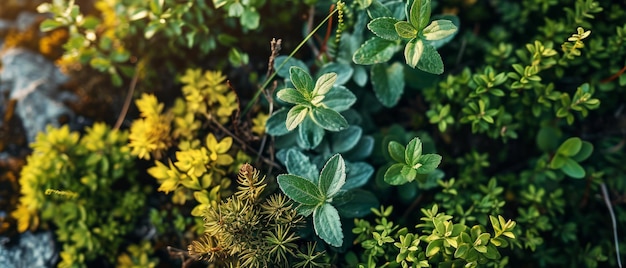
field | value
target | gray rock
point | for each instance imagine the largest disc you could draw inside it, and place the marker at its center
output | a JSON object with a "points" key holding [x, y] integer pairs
{"points": [[33, 81], [32, 250]]}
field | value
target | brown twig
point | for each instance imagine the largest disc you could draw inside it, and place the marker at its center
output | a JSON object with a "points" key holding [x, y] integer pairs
{"points": [[129, 98], [614, 76]]}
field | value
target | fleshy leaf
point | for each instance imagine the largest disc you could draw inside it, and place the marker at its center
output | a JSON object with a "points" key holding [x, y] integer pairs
{"points": [[439, 29], [431, 61], [333, 176], [328, 119], [405, 29], [300, 189], [327, 224], [295, 116], [375, 50], [388, 83], [301, 80], [394, 176], [413, 51], [276, 123], [419, 15], [396, 151], [384, 28], [428, 163]]}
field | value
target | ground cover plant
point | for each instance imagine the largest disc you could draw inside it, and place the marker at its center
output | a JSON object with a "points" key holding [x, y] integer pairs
{"points": [[371, 133]]}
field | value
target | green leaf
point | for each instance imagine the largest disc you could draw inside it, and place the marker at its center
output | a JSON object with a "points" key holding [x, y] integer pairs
{"points": [[344, 71], [339, 99], [573, 169], [310, 135], [428, 163], [49, 25], [394, 176], [408, 173], [295, 116], [558, 161], [250, 19], [235, 9], [405, 30], [431, 61], [276, 125], [439, 29], [219, 3], [570, 147], [413, 152], [547, 138], [306, 210], [585, 151], [362, 150], [292, 96], [346, 139], [376, 10], [434, 247], [333, 176], [388, 83], [328, 119], [355, 203], [299, 164], [420, 14], [300, 189], [287, 63], [357, 174], [375, 50], [413, 51], [384, 28], [327, 224], [396, 151], [301, 80], [461, 251], [324, 84]]}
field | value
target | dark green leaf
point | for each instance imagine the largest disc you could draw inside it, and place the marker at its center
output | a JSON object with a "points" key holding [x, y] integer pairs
{"points": [[328, 119], [287, 63], [357, 174], [333, 176], [384, 28], [300, 189], [420, 14], [396, 151], [388, 83], [301, 80], [375, 50], [346, 139], [250, 18], [306, 210], [431, 61], [339, 99], [355, 203], [309, 134], [327, 224], [461, 250], [585, 151], [558, 161], [299, 164], [362, 150], [276, 123], [548, 138], [344, 71], [377, 9]]}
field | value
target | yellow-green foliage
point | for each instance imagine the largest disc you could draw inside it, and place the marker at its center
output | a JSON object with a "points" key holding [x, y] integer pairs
{"points": [[150, 134], [137, 256], [85, 187], [247, 230], [207, 95], [197, 168], [200, 168]]}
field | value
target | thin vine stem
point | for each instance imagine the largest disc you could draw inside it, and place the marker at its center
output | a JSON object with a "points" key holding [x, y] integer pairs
{"points": [[269, 79]]}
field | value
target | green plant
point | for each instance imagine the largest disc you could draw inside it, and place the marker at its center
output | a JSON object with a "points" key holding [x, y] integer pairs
{"points": [[447, 243], [411, 162], [252, 229], [74, 185]]}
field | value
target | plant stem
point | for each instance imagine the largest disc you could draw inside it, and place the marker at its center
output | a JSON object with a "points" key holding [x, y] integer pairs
{"points": [[605, 195], [129, 97], [269, 79]]}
